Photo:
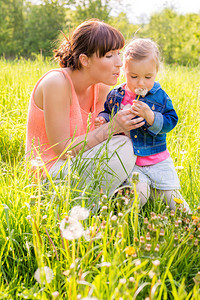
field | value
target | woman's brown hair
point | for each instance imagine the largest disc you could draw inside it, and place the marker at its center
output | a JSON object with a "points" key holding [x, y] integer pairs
{"points": [[92, 36]]}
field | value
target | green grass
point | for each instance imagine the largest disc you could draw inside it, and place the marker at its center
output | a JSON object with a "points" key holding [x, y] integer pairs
{"points": [[30, 214]]}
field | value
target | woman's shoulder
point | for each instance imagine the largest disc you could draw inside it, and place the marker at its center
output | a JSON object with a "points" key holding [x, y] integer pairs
{"points": [[54, 77]]}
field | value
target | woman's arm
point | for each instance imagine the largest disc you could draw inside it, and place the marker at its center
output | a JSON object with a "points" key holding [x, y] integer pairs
{"points": [[56, 92]]}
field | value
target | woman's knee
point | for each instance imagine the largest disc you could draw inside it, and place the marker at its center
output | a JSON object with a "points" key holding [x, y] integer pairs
{"points": [[124, 149]]}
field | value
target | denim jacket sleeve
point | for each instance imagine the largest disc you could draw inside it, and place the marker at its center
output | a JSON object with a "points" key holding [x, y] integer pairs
{"points": [[112, 103], [164, 120]]}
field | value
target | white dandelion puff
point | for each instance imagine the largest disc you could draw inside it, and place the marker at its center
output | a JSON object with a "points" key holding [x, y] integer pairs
{"points": [[141, 92], [122, 280], [37, 162], [179, 167], [44, 274], [156, 262], [55, 294], [105, 264], [71, 229], [79, 213]]}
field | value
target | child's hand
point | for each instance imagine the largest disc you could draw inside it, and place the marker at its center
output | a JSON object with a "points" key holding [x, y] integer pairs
{"points": [[141, 109], [99, 121]]}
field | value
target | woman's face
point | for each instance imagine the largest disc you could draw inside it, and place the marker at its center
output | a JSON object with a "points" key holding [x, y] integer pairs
{"points": [[140, 74], [105, 69]]}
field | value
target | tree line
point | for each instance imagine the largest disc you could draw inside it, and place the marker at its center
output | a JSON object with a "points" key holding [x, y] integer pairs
{"points": [[27, 29]]}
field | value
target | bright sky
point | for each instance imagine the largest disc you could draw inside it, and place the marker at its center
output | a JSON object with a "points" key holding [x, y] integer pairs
{"points": [[139, 9]]}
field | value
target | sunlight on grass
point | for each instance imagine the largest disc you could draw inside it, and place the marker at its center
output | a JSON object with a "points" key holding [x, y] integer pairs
{"points": [[67, 242]]}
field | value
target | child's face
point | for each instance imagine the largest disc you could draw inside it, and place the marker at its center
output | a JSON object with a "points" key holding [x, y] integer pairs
{"points": [[140, 74]]}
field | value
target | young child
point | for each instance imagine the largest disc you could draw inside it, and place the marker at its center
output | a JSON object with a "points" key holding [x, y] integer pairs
{"points": [[146, 98]]}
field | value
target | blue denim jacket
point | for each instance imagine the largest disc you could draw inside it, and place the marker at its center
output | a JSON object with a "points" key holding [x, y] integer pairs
{"points": [[147, 140]]}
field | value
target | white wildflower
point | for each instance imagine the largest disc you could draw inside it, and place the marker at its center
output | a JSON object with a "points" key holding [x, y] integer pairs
{"points": [[183, 152], [105, 264], [151, 274], [104, 207], [131, 279], [122, 280], [90, 235], [113, 218], [179, 167], [55, 294], [37, 162], [156, 262], [141, 92], [43, 275], [79, 213], [71, 229]]}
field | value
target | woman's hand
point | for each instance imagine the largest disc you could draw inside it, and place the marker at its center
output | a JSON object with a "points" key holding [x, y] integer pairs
{"points": [[124, 121], [141, 109], [99, 121]]}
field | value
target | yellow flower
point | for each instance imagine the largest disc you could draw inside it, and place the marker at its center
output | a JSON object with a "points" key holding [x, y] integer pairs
{"points": [[195, 218], [130, 250], [179, 201]]}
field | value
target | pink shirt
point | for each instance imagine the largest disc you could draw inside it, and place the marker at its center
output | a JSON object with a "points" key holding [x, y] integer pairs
{"points": [[143, 160], [36, 137]]}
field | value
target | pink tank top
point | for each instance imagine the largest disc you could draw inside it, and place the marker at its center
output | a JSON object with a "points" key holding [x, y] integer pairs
{"points": [[143, 160], [36, 137]]}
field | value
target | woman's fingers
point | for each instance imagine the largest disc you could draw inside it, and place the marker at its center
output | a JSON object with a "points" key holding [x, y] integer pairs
{"points": [[125, 120]]}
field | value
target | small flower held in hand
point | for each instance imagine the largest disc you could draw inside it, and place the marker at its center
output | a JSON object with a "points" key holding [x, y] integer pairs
{"points": [[43, 275], [141, 92]]}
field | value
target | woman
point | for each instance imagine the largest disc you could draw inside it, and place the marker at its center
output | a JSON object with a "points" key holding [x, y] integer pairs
{"points": [[63, 99]]}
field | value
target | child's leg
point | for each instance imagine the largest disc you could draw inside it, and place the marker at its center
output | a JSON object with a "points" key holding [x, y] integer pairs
{"points": [[169, 196], [143, 191]]}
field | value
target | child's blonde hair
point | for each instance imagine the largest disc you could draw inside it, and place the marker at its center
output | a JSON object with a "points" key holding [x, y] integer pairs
{"points": [[140, 48]]}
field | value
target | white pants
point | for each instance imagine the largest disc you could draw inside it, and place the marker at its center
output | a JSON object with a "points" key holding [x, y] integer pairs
{"points": [[109, 163]]}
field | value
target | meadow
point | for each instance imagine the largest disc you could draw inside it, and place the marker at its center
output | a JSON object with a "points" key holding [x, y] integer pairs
{"points": [[119, 252]]}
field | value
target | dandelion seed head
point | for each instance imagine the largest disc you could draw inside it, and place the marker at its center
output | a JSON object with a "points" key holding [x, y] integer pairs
{"points": [[114, 218], [105, 264], [79, 213], [179, 167], [104, 207], [71, 229], [137, 262], [156, 262], [120, 214], [43, 273], [55, 294], [151, 274], [183, 151], [141, 92], [37, 162], [122, 280]]}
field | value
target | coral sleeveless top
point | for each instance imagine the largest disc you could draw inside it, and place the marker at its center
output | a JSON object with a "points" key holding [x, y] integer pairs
{"points": [[37, 143]]}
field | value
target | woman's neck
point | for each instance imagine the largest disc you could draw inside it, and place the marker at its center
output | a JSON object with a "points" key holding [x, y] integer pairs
{"points": [[81, 81]]}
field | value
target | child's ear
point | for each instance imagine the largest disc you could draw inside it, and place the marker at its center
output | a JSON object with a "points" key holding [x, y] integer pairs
{"points": [[83, 60]]}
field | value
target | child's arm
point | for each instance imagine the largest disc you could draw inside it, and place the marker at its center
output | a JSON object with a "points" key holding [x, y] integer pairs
{"points": [[163, 121]]}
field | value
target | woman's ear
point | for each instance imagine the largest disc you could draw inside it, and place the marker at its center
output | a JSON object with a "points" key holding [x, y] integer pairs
{"points": [[83, 60]]}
